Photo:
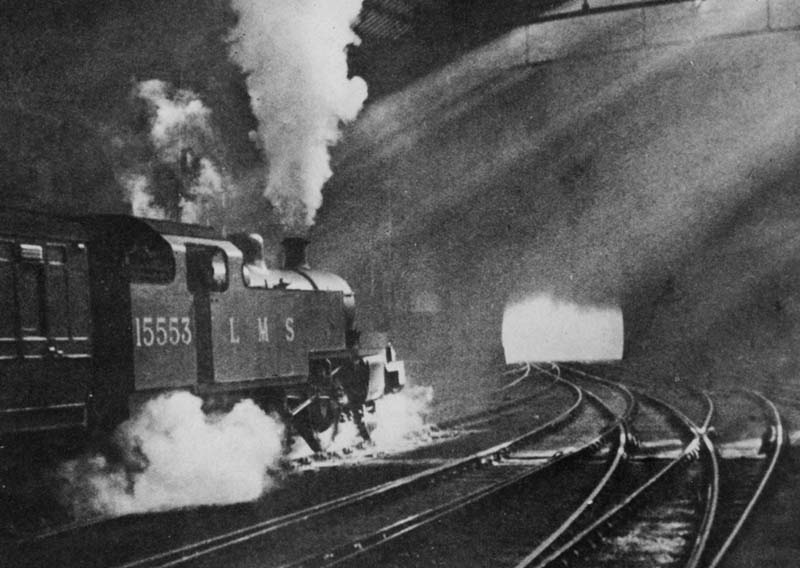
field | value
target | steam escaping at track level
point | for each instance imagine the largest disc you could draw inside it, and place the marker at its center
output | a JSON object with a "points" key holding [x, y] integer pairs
{"points": [[542, 328], [177, 456], [398, 423], [402, 418], [294, 55]]}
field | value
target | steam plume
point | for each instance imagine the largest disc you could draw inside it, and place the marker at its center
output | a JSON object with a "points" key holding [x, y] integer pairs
{"points": [[183, 182], [178, 120], [177, 456], [293, 53], [138, 187]]}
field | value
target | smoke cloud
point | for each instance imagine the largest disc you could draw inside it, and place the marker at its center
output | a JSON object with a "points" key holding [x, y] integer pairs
{"points": [[294, 56], [181, 182], [176, 456]]}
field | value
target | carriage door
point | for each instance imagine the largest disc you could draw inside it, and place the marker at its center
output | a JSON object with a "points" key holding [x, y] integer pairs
{"points": [[47, 344], [63, 289], [67, 310]]}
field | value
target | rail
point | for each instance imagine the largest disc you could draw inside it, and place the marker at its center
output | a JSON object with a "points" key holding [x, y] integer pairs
{"points": [[386, 534], [693, 448], [779, 442], [218, 543]]}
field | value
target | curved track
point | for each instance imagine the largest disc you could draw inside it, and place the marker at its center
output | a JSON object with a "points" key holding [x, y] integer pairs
{"points": [[452, 541], [31, 524], [572, 489], [450, 485], [589, 546], [732, 486], [744, 481], [325, 514]]}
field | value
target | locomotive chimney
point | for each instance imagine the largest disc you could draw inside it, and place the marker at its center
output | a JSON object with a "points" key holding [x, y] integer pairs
{"points": [[294, 253]]}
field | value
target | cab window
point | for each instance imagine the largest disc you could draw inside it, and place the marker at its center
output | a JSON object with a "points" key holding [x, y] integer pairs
{"points": [[151, 261]]}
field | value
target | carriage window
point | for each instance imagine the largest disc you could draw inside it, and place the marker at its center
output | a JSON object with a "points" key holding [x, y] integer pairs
{"points": [[57, 307], [44, 291], [78, 289], [30, 292], [7, 302]]}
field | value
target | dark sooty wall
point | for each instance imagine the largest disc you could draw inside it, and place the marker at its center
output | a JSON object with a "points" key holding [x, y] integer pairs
{"points": [[661, 177]]}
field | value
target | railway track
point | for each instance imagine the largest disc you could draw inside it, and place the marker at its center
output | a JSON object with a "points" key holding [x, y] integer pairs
{"points": [[85, 544], [455, 533], [48, 519], [757, 447], [395, 508], [596, 485], [731, 488], [666, 495]]}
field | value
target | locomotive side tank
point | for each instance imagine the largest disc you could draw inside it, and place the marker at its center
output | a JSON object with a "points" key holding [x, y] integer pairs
{"points": [[178, 306]]}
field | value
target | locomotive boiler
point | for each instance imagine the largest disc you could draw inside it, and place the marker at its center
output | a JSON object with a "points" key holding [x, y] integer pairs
{"points": [[100, 313]]}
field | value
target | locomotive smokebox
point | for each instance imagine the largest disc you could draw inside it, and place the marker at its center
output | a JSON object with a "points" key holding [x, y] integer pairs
{"points": [[295, 254]]}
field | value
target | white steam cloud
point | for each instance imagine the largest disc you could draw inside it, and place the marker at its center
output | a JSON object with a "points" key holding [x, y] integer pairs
{"points": [[138, 187], [402, 418], [399, 423], [178, 119], [178, 456], [205, 190], [293, 52], [183, 183]]}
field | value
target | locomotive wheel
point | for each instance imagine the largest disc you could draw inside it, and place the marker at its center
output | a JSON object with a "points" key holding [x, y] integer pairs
{"points": [[319, 423]]}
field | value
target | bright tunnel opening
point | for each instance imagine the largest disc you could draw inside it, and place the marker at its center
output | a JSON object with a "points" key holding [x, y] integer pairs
{"points": [[541, 329]]}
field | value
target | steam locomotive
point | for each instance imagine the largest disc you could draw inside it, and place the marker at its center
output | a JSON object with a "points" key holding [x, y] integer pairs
{"points": [[101, 312]]}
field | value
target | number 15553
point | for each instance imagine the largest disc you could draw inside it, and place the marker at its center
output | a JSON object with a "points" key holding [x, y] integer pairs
{"points": [[160, 331]]}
